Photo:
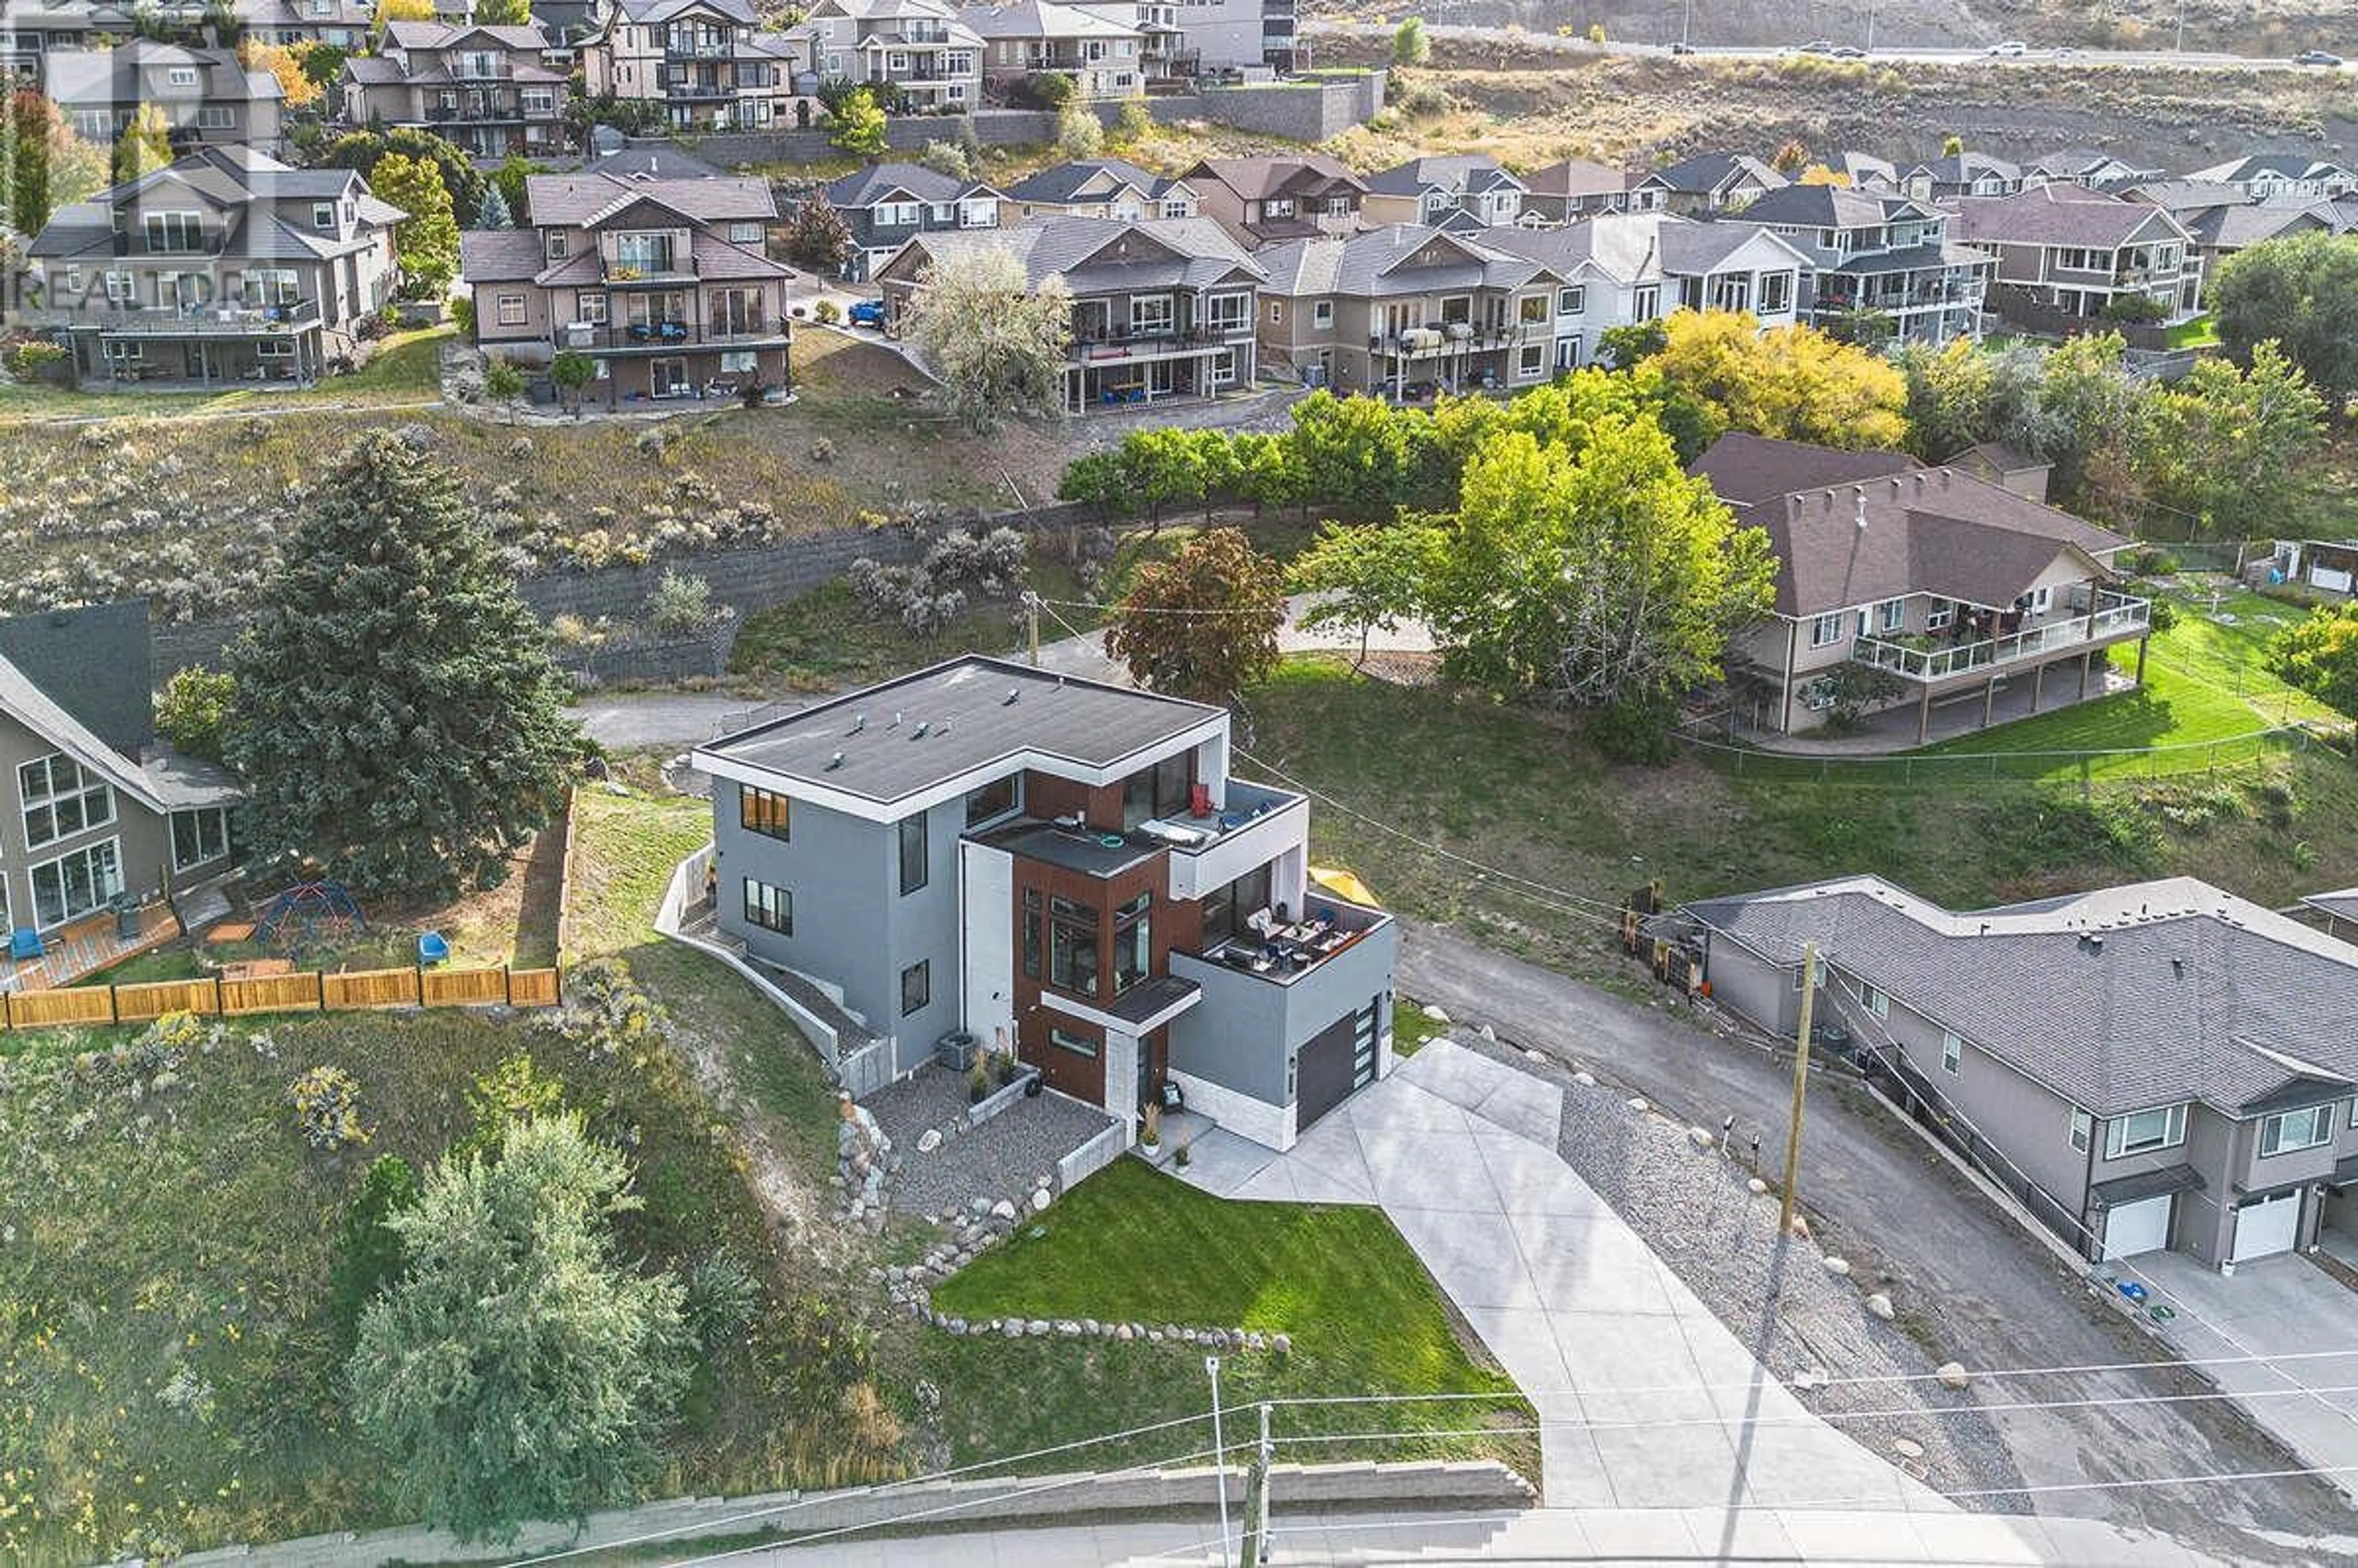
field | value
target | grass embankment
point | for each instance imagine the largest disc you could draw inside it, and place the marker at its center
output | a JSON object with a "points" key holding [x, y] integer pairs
{"points": [[1412, 772], [1130, 1243]]}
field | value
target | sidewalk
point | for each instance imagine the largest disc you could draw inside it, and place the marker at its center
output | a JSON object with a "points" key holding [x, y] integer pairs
{"points": [[1723, 1539]]}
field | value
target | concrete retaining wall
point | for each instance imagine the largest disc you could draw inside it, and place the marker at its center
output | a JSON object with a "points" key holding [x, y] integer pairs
{"points": [[951, 1504], [1092, 1157]]}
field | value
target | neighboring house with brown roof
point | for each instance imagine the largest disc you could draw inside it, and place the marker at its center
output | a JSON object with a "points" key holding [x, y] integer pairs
{"points": [[1098, 188], [227, 265], [2002, 465], [2158, 1065], [1263, 201], [2069, 259], [205, 95], [1575, 189], [708, 64], [340, 24], [491, 90], [666, 283], [1161, 310], [1949, 584], [2268, 176]]}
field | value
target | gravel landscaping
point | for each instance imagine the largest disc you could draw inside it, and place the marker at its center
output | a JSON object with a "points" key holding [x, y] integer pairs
{"points": [[1007, 1157], [1693, 1208]]}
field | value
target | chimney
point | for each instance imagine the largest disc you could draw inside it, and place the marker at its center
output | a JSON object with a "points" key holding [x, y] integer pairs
{"points": [[1858, 498], [1896, 484]]}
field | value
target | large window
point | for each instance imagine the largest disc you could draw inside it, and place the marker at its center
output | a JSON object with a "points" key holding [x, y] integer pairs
{"points": [[61, 799], [74, 885], [764, 812], [1072, 947], [1776, 292], [199, 836], [1078, 1045], [174, 231], [771, 908], [647, 252], [916, 986], [1826, 630], [1952, 1055], [2142, 1132], [1032, 943], [1229, 312], [1227, 909], [1158, 790], [2292, 1129], [1131, 946], [994, 800], [913, 873]]}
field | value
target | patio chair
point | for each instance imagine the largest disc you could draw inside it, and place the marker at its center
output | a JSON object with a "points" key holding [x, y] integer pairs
{"points": [[25, 943], [432, 948]]}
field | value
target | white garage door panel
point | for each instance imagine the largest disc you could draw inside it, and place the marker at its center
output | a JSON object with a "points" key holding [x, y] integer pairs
{"points": [[2262, 1229], [2140, 1226]]}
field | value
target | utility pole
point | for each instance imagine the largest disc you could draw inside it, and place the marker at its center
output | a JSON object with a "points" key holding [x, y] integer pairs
{"points": [[1801, 1086], [1256, 1550], [1686, 23], [1870, 27], [1219, 1457], [1032, 624]]}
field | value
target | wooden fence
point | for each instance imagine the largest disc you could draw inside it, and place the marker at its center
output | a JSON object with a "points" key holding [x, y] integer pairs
{"points": [[306, 992]]}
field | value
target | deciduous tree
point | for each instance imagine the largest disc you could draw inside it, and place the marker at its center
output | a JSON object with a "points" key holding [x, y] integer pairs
{"points": [[2223, 452], [503, 13], [817, 235], [297, 87], [515, 1370], [858, 123], [2320, 656], [1079, 134], [2303, 293], [1203, 624], [145, 145], [1358, 579], [1792, 382], [363, 149], [997, 342], [398, 721], [426, 241]]}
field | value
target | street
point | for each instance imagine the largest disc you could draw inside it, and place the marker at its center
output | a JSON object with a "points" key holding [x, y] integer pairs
{"points": [[1989, 1296]]}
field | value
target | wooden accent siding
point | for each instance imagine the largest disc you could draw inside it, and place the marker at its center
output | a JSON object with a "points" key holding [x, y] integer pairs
{"points": [[1064, 1071], [1047, 795]]}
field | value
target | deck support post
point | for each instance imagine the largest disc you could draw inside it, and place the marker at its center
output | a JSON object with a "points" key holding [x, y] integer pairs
{"points": [[2140, 669], [2037, 685], [1924, 714], [1989, 700], [2087, 668]]}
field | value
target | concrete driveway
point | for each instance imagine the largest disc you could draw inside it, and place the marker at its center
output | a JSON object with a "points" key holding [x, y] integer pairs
{"points": [[2273, 1307], [1645, 1399]]}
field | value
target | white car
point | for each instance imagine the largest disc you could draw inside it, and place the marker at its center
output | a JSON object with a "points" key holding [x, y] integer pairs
{"points": [[2012, 49]]}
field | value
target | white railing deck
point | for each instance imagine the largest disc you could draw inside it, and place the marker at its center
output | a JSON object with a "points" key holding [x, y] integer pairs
{"points": [[2115, 615]]}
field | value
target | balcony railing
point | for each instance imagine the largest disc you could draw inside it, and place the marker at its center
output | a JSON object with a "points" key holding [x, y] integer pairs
{"points": [[656, 335], [208, 320], [2115, 615], [1456, 338], [1104, 342], [1327, 927], [683, 50]]}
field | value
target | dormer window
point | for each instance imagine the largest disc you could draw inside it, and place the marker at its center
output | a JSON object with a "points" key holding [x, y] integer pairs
{"points": [[323, 215], [174, 231], [181, 76], [556, 244]]}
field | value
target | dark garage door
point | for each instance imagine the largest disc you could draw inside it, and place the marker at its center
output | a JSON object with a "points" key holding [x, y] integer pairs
{"points": [[1331, 1063]]}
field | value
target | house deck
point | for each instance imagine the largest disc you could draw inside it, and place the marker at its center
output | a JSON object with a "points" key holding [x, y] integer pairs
{"points": [[86, 946]]}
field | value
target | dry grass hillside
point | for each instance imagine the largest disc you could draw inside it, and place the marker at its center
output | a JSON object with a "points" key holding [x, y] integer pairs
{"points": [[2241, 27], [1530, 107]]}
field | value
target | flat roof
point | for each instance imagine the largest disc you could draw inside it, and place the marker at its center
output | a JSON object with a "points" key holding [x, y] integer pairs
{"points": [[902, 737], [1082, 850]]}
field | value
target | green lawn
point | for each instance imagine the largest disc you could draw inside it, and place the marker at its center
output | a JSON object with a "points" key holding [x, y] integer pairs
{"points": [[2203, 332], [1130, 1243], [1412, 1026], [1410, 773], [406, 368]]}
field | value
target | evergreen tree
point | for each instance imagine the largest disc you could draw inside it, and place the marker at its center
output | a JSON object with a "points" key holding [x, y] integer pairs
{"points": [[816, 236], [398, 718], [493, 213]]}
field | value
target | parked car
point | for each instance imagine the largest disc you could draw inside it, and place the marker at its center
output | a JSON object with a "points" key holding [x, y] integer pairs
{"points": [[2010, 49], [1848, 51], [1682, 48], [2315, 57], [868, 313], [1815, 46]]}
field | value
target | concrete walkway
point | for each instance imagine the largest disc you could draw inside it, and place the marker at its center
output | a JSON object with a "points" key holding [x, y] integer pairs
{"points": [[1645, 1399], [1652, 1537]]}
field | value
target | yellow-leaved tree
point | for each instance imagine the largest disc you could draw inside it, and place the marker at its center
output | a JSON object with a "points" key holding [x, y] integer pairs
{"points": [[1795, 383]]}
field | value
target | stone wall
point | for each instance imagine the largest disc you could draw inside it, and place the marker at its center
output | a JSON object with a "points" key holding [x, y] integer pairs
{"points": [[904, 132]]}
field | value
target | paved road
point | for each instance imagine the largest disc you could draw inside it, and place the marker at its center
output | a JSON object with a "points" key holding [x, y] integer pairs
{"points": [[1991, 1296]]}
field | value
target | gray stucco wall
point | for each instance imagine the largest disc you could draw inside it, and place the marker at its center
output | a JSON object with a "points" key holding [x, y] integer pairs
{"points": [[144, 840], [853, 927], [1246, 1029]]}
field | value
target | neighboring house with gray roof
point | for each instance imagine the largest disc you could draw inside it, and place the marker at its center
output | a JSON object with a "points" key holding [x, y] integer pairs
{"points": [[226, 266], [2271, 176], [491, 90], [1960, 175], [1576, 188], [2085, 166], [1625, 268], [916, 49], [1948, 584], [2072, 259], [205, 95], [667, 283], [1062, 870], [1161, 310], [92, 806], [709, 65], [1886, 269], [1712, 182], [886, 205], [1407, 310], [339, 23], [1265, 200], [2158, 1066], [1103, 50], [1431, 191], [1099, 188]]}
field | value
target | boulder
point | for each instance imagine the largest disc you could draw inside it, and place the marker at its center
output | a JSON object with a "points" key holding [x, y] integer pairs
{"points": [[1701, 1137], [1584, 1078], [1953, 1375], [1435, 1014], [1123, 1331], [1282, 1343], [1908, 1448], [1638, 1102], [1755, 1186], [1838, 1267], [1038, 1328], [1002, 1209], [929, 1139], [1041, 1200], [1880, 1305]]}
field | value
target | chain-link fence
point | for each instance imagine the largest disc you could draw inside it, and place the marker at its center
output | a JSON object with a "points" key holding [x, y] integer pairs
{"points": [[2229, 755]]}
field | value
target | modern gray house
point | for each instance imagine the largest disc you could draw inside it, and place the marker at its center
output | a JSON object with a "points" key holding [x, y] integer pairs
{"points": [[2158, 1066], [1062, 869], [91, 805]]}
